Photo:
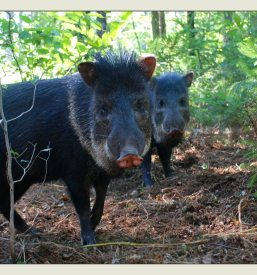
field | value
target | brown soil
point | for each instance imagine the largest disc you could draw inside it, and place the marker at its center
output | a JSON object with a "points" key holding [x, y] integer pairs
{"points": [[192, 217]]}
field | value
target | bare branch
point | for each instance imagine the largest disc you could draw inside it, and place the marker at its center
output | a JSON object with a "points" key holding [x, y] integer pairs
{"points": [[33, 101], [4, 125], [46, 160], [27, 167], [11, 42], [9, 175]]}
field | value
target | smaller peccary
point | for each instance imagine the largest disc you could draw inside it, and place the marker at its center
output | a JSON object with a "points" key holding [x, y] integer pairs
{"points": [[169, 115]]}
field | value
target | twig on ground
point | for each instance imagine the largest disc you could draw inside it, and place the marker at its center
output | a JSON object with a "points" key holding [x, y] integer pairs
{"points": [[239, 214], [155, 245], [144, 210], [143, 245]]}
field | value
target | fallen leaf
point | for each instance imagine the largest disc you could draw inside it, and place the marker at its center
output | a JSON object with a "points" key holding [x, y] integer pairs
{"points": [[128, 223], [64, 198]]}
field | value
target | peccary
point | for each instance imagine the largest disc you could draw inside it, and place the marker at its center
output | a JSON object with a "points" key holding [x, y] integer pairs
{"points": [[169, 115], [96, 122]]}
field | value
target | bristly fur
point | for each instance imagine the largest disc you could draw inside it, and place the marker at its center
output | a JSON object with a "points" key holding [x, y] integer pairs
{"points": [[119, 70]]}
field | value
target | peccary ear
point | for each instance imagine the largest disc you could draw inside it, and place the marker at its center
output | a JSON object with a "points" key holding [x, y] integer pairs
{"points": [[87, 72], [188, 78], [148, 65]]}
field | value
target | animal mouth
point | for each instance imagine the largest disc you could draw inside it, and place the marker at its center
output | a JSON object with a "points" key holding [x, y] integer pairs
{"points": [[129, 160]]}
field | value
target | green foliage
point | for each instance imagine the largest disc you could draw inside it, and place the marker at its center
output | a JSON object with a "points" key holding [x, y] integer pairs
{"points": [[52, 42]]}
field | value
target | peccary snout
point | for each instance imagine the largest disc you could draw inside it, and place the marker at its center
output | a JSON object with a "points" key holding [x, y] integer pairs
{"points": [[175, 133], [129, 157]]}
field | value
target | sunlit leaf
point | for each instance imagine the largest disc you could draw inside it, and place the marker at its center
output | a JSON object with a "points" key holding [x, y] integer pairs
{"points": [[25, 18]]}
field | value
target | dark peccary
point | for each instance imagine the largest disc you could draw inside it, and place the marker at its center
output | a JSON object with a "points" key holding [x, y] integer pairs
{"points": [[169, 115], [93, 131]]}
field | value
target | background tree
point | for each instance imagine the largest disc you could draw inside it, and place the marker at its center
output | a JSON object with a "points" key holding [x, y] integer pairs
{"points": [[158, 24]]}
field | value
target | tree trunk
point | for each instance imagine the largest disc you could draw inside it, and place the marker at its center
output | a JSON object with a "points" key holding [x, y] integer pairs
{"points": [[103, 22], [155, 24], [162, 23], [191, 25], [227, 15]]}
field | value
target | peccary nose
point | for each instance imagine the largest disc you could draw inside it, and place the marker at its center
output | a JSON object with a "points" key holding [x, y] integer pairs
{"points": [[175, 133], [129, 158]]}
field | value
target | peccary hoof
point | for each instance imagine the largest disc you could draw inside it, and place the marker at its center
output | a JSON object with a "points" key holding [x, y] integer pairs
{"points": [[33, 230], [147, 184], [88, 240], [28, 230]]}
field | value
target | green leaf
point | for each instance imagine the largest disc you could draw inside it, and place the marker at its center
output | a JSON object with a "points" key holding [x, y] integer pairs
{"points": [[5, 25], [70, 27], [14, 153], [95, 45], [126, 14], [73, 16], [60, 55], [25, 18], [43, 60], [42, 51], [58, 45], [48, 40], [55, 32], [237, 19], [95, 15], [248, 49], [115, 28], [66, 41], [24, 35], [80, 47]]}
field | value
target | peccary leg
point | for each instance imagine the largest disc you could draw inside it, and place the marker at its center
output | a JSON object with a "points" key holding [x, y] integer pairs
{"points": [[19, 223], [147, 181], [79, 193], [165, 154], [101, 187]]}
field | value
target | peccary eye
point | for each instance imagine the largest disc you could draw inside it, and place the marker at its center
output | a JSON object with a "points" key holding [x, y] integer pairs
{"points": [[104, 108], [139, 105], [182, 102], [161, 103]]}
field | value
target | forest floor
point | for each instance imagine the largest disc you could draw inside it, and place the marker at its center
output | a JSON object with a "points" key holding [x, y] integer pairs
{"points": [[204, 214]]}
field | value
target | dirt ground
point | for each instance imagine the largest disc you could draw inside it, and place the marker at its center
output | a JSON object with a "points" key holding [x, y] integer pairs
{"points": [[204, 214]]}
